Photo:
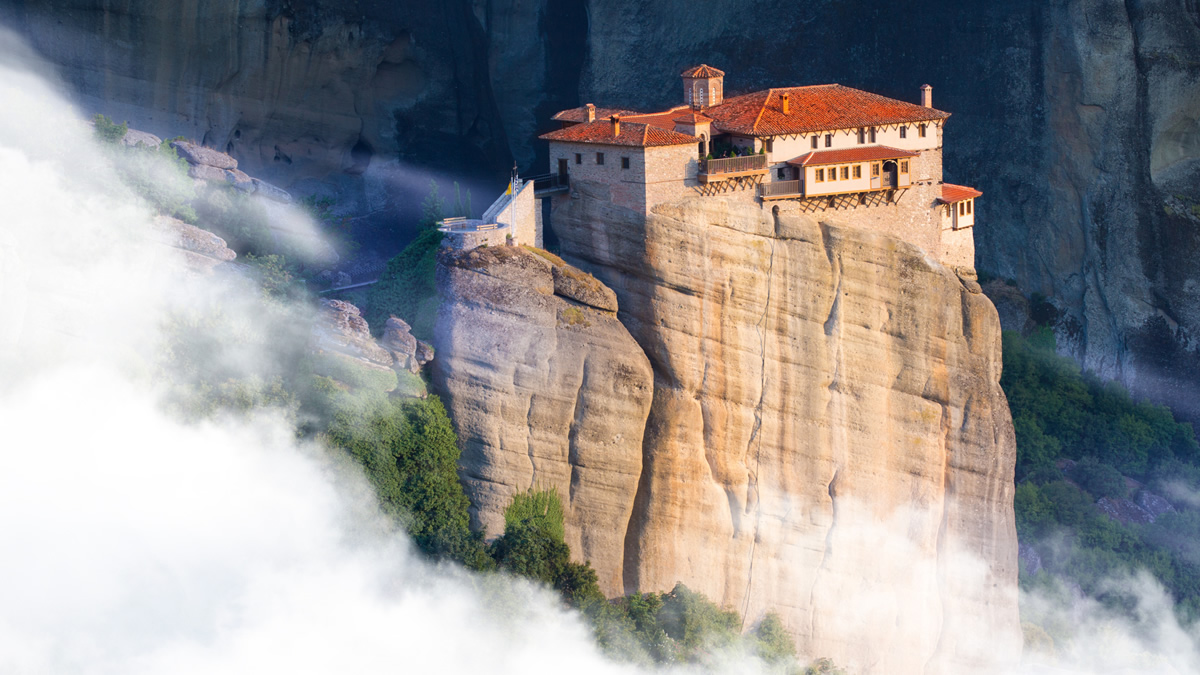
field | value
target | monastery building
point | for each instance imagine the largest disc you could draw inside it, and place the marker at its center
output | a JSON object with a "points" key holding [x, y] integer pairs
{"points": [[876, 160]]}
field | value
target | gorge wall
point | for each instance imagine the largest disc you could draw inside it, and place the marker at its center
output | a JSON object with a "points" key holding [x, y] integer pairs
{"points": [[1077, 118], [827, 436]]}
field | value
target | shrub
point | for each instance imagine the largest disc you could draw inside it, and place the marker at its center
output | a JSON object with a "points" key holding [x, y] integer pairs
{"points": [[408, 287], [695, 622], [772, 641], [537, 508], [108, 131]]}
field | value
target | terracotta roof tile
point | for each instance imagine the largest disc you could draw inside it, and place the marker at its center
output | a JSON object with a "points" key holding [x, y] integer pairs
{"points": [[956, 193], [814, 108], [632, 134], [702, 70], [693, 118], [663, 120], [580, 114], [866, 153]]}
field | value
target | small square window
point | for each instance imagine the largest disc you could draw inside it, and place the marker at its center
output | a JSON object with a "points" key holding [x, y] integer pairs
{"points": [[845, 173], [779, 174], [862, 136], [624, 162], [600, 158], [858, 170], [921, 130], [904, 166], [820, 174], [969, 203], [768, 144], [872, 134], [904, 131], [962, 209], [875, 170], [578, 158], [829, 140], [814, 142]]}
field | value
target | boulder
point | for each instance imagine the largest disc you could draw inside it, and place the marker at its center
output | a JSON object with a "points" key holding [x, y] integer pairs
{"points": [[239, 180], [134, 138], [570, 282], [341, 328], [271, 192], [209, 174], [199, 155]]}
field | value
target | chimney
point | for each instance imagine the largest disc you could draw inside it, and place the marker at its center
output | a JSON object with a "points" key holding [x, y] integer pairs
{"points": [[616, 124], [591, 112], [927, 96], [785, 99]]}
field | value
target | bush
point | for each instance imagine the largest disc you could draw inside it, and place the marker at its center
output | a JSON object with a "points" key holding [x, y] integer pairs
{"points": [[410, 453], [695, 622], [773, 643], [408, 288], [108, 131], [541, 509]]}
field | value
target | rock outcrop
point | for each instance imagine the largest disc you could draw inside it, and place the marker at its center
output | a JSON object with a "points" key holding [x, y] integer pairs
{"points": [[827, 439], [203, 251], [1077, 119], [545, 392], [343, 349]]}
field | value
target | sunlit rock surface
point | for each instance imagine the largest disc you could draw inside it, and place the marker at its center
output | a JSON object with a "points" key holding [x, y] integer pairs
{"points": [[545, 392], [828, 437]]}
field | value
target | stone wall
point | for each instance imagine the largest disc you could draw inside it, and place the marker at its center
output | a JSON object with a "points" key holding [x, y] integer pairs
{"points": [[469, 236], [625, 186]]}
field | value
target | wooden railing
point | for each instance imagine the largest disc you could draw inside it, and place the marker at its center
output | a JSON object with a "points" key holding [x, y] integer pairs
{"points": [[736, 164], [783, 188]]}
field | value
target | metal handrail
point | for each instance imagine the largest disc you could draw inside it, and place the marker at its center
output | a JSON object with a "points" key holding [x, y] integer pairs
{"points": [[736, 164]]}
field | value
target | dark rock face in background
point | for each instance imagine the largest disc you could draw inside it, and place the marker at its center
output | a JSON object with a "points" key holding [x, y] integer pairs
{"points": [[1077, 118]]}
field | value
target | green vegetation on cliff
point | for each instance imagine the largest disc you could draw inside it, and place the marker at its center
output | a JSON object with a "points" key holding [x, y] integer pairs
{"points": [[1093, 468]]}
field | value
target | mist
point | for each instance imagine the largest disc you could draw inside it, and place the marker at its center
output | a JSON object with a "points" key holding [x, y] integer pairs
{"points": [[137, 541]]}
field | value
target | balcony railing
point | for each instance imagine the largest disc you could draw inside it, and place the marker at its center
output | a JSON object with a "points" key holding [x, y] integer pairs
{"points": [[783, 188], [550, 182], [745, 164]]}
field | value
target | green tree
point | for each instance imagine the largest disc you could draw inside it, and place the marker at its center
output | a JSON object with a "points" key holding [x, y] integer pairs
{"points": [[410, 453], [408, 287], [532, 546], [772, 641], [695, 622], [433, 208]]}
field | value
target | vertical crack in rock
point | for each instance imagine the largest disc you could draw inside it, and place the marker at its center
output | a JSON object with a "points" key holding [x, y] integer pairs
{"points": [[752, 492], [577, 413]]}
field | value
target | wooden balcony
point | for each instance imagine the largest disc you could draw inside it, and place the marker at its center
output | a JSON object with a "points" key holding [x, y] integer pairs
{"points": [[783, 189], [732, 167]]}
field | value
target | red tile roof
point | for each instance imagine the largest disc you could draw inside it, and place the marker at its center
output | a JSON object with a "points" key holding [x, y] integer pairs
{"points": [[702, 70], [663, 120], [815, 108], [632, 134], [580, 114], [956, 193], [693, 118], [866, 153]]}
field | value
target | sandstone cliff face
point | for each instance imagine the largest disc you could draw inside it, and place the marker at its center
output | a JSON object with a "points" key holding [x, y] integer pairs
{"points": [[828, 437], [1077, 118], [545, 392]]}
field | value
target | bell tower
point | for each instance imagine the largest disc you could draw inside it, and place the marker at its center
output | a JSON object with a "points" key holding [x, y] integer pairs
{"points": [[703, 87]]}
